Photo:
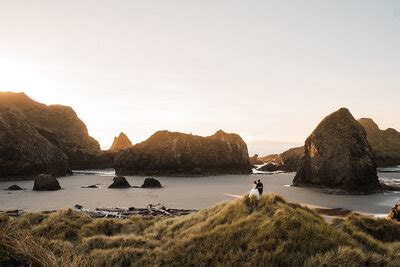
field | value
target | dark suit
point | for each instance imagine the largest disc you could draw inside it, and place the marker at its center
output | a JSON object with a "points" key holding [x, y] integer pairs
{"points": [[260, 187]]}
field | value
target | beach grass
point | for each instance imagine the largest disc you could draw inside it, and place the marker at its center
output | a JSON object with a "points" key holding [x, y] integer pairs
{"points": [[246, 231]]}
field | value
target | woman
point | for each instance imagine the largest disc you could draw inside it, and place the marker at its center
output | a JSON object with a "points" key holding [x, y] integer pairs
{"points": [[254, 191]]}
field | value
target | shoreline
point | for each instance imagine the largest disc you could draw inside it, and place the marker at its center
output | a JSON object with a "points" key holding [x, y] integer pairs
{"points": [[181, 193]]}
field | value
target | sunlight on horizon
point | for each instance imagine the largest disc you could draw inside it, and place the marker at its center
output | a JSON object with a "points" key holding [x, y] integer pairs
{"points": [[264, 70]]}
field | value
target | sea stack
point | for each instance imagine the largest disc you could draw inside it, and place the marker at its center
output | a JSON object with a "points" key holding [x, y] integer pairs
{"points": [[338, 156], [121, 142], [385, 143], [173, 153]]}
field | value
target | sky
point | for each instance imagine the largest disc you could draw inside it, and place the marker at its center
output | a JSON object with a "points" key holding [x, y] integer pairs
{"points": [[267, 70]]}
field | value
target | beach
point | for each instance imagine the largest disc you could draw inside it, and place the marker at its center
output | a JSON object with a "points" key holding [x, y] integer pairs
{"points": [[183, 193]]}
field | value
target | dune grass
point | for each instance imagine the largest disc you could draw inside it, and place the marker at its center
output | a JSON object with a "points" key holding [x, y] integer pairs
{"points": [[246, 231]]}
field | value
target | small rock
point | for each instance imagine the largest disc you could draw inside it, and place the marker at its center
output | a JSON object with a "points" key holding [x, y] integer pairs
{"points": [[120, 182], [151, 183], [14, 188], [91, 186], [45, 182]]}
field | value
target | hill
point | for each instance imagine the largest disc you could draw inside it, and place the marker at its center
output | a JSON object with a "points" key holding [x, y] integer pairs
{"points": [[270, 232], [385, 143]]}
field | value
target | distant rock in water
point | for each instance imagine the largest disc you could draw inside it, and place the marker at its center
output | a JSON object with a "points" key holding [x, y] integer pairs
{"points": [[173, 153], [254, 160], [14, 188], [24, 151], [338, 156], [45, 182], [60, 126], [288, 161], [151, 183], [270, 167], [273, 158], [121, 142], [120, 182], [385, 143]]}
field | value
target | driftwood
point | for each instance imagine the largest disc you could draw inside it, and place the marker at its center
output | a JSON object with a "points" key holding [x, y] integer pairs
{"points": [[151, 210], [13, 213]]}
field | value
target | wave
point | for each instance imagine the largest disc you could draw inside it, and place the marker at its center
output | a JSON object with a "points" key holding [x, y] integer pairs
{"points": [[100, 172]]}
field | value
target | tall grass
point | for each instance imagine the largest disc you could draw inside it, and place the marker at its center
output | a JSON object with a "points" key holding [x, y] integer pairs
{"points": [[247, 231]]}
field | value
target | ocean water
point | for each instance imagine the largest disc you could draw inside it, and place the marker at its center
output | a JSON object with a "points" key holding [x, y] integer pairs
{"points": [[183, 192]]}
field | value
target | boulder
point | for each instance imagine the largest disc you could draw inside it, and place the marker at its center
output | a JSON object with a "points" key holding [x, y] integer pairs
{"points": [[173, 153], [151, 183], [24, 152], [119, 182], [338, 156], [45, 182], [14, 188], [121, 142], [385, 143]]}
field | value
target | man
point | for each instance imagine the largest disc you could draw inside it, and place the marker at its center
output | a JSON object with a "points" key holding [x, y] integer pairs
{"points": [[394, 214], [260, 187]]}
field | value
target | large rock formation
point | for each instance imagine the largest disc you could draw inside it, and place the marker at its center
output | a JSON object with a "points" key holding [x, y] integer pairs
{"points": [[121, 142], [24, 151], [60, 126], [338, 156], [385, 143], [173, 153]]}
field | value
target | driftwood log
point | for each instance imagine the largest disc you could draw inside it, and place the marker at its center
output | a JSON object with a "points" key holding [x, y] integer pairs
{"points": [[151, 210]]}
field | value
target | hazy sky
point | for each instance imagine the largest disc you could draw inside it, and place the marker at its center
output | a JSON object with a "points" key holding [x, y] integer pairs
{"points": [[268, 70]]}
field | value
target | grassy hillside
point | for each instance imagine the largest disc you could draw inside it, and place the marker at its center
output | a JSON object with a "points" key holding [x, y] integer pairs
{"points": [[245, 231]]}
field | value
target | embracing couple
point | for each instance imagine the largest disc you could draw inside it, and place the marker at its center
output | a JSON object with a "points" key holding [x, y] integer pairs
{"points": [[257, 189]]}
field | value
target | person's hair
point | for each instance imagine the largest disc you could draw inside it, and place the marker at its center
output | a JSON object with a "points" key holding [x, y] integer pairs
{"points": [[259, 180], [255, 182]]}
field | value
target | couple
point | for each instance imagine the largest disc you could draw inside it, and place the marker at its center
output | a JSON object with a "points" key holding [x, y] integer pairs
{"points": [[257, 189]]}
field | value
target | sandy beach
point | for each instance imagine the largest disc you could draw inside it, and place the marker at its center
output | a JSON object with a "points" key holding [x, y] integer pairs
{"points": [[181, 192]]}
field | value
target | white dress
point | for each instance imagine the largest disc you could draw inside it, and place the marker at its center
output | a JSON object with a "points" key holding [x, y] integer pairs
{"points": [[254, 192]]}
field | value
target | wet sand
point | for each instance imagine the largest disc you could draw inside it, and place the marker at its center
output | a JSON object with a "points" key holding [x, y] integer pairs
{"points": [[182, 193]]}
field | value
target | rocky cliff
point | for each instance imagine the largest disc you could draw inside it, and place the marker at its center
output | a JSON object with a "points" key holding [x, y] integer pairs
{"points": [[60, 126], [24, 151], [121, 142], [385, 143], [173, 153], [338, 156]]}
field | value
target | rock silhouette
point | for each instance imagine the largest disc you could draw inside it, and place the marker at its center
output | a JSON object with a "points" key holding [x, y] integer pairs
{"points": [[24, 151], [45, 182], [60, 126], [385, 143], [121, 142], [119, 182], [338, 156], [173, 153], [151, 183]]}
